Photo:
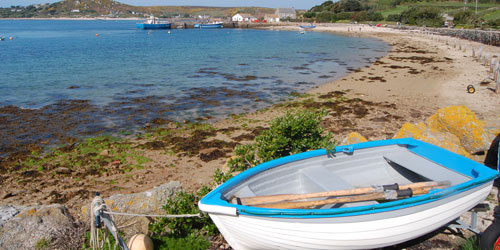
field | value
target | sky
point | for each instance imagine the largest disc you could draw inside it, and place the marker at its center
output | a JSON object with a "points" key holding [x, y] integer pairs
{"points": [[298, 4]]}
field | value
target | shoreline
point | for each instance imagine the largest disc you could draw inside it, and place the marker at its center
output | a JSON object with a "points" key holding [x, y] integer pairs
{"points": [[417, 77]]}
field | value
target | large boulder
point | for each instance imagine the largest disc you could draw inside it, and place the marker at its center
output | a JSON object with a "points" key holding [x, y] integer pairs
{"points": [[442, 139], [148, 202], [33, 227], [463, 123], [455, 128]]}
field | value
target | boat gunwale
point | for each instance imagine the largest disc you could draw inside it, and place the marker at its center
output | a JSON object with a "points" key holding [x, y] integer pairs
{"points": [[479, 173]]}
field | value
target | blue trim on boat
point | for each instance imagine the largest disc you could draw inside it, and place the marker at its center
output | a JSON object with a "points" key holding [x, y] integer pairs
{"points": [[480, 174], [207, 25]]}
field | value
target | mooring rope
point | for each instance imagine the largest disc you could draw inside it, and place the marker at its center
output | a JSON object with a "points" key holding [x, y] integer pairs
{"points": [[155, 215], [97, 205], [98, 238]]}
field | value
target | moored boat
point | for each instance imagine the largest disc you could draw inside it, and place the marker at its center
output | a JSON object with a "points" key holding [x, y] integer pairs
{"points": [[153, 23], [338, 200], [312, 26], [214, 25]]}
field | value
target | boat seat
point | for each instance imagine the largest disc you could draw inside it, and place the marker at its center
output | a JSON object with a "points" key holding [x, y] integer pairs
{"points": [[327, 181], [421, 167]]}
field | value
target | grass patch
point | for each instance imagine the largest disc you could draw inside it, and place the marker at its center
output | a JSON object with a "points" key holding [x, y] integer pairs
{"points": [[472, 243]]}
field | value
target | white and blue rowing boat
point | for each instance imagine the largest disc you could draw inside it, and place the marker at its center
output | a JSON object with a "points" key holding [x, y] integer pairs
{"points": [[312, 200], [214, 25]]}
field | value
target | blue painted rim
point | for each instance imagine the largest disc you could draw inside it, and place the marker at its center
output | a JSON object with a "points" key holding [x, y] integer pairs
{"points": [[480, 174]]}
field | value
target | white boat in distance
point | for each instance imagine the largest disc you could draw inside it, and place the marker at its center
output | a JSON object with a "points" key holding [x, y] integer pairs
{"points": [[330, 220]]}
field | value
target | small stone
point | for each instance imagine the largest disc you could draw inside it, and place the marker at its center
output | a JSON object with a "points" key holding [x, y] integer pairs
{"points": [[105, 152], [63, 170]]}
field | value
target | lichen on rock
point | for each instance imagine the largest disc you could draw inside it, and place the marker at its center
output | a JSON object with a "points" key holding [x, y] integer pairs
{"points": [[353, 138], [463, 123]]}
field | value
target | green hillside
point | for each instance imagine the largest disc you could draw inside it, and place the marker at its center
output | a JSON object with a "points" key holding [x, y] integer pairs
{"points": [[97, 8], [411, 12]]}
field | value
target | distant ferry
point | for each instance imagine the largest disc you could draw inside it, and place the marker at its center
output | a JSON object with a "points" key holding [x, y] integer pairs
{"points": [[213, 25], [153, 23]]}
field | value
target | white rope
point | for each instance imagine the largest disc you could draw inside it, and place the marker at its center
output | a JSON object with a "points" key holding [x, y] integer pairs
{"points": [[155, 215], [97, 205]]}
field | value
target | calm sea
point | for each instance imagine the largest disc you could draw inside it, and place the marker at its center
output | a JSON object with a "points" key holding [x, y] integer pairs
{"points": [[126, 77]]}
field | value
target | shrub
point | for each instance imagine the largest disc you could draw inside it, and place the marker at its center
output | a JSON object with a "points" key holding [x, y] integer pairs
{"points": [[393, 18], [422, 16], [344, 16], [289, 134], [184, 203], [324, 17]]}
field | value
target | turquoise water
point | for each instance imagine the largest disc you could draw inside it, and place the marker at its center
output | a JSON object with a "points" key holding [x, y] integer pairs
{"points": [[128, 77]]}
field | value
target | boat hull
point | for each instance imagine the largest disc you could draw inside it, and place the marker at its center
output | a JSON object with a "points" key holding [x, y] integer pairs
{"points": [[360, 232], [208, 26], [358, 225], [154, 26]]}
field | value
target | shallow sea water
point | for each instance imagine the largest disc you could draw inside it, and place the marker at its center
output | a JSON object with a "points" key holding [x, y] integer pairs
{"points": [[117, 77]]}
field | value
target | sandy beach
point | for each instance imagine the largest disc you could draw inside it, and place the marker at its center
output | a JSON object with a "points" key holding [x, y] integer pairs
{"points": [[421, 74]]}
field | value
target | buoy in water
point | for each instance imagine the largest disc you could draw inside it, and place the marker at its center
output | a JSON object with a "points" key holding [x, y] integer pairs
{"points": [[140, 242], [11, 38], [471, 89]]}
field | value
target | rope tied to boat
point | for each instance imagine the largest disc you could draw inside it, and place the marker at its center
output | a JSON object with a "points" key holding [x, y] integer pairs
{"points": [[155, 215], [99, 213], [96, 208]]}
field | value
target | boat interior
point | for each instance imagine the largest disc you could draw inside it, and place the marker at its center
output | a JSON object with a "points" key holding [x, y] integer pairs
{"points": [[368, 167]]}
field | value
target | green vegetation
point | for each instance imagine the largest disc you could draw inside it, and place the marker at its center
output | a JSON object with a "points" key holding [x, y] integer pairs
{"points": [[427, 13], [289, 134], [472, 243], [93, 154], [42, 244], [183, 233]]}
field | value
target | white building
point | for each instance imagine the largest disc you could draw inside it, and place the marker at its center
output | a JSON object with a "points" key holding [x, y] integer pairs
{"points": [[283, 13], [272, 18], [243, 18]]}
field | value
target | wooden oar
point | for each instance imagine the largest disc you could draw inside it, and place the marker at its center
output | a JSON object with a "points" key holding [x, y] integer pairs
{"points": [[387, 195], [367, 190]]}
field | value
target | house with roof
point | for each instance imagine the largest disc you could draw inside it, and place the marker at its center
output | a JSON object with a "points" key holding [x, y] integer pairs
{"points": [[240, 17], [283, 13], [272, 18]]}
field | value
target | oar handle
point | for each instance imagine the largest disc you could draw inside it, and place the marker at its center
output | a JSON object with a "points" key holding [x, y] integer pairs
{"points": [[366, 190]]}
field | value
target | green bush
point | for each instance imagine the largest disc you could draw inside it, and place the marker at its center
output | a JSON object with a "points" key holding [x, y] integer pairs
{"points": [[344, 16], [393, 18], [422, 16], [325, 17], [287, 135], [184, 203], [190, 242], [494, 23]]}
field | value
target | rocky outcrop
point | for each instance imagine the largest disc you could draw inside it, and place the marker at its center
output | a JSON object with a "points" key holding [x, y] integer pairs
{"points": [[148, 202], [37, 226], [455, 128], [52, 226], [463, 123], [353, 138]]}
